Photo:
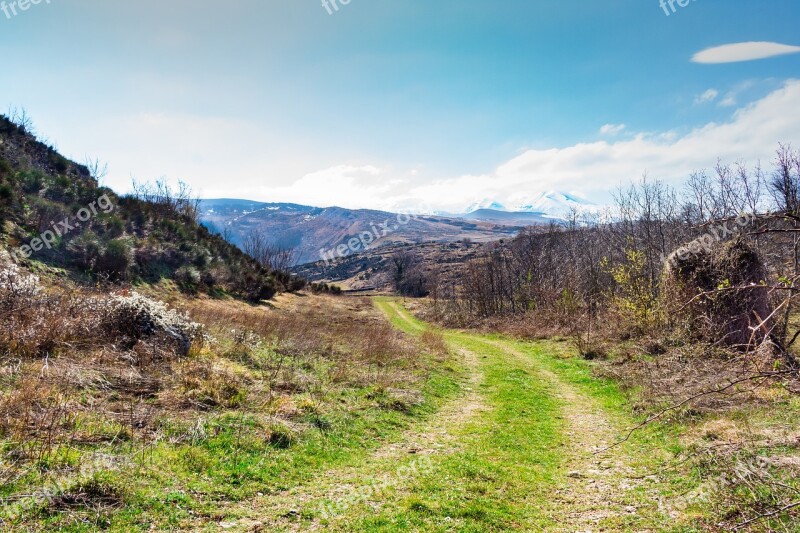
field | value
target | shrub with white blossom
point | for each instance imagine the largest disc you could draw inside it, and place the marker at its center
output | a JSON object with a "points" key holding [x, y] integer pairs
{"points": [[136, 317], [16, 287]]}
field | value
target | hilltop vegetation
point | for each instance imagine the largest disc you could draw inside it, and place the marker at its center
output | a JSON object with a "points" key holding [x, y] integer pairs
{"points": [[53, 212]]}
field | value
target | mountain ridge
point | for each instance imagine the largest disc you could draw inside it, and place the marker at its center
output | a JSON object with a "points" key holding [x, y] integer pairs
{"points": [[314, 232]]}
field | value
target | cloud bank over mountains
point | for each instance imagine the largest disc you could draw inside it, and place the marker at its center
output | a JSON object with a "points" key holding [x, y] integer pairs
{"points": [[589, 169]]}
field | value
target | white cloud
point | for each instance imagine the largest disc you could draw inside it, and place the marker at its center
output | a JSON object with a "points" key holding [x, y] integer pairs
{"points": [[593, 169], [709, 96], [733, 53], [612, 129], [728, 101], [226, 158], [348, 186]]}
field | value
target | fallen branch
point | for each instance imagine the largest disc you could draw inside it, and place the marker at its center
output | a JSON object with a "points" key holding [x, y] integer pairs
{"points": [[767, 515], [719, 390]]}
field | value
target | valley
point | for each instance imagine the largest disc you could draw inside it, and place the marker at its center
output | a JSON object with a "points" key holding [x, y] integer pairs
{"points": [[399, 266], [313, 233]]}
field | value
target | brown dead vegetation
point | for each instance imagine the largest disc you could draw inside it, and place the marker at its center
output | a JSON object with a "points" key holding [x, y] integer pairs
{"points": [[80, 367]]}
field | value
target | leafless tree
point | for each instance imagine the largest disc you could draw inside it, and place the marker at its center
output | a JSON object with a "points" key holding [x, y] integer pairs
{"points": [[408, 275], [97, 169], [573, 267], [160, 194], [278, 258], [22, 119], [785, 182]]}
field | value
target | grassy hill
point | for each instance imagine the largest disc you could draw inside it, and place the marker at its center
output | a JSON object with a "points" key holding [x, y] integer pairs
{"points": [[53, 212], [138, 390]]}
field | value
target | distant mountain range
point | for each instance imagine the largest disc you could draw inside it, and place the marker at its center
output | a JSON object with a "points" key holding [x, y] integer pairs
{"points": [[547, 205], [313, 231]]}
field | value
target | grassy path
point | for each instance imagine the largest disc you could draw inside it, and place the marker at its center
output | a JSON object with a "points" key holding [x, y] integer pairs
{"points": [[517, 450]]}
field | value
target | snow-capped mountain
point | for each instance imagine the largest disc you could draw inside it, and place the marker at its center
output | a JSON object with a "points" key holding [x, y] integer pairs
{"points": [[486, 203], [553, 204]]}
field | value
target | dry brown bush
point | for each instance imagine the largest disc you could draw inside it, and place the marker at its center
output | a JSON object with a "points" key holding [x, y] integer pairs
{"points": [[694, 372], [207, 384], [719, 295], [35, 414], [435, 343]]}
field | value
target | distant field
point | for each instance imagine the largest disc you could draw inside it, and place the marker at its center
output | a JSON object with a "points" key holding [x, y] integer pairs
{"points": [[372, 269]]}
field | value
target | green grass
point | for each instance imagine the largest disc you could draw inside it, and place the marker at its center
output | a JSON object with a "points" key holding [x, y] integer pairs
{"points": [[515, 449], [174, 481], [487, 454], [502, 477]]}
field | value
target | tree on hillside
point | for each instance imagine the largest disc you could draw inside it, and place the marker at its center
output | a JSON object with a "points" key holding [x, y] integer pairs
{"points": [[278, 258], [408, 275]]}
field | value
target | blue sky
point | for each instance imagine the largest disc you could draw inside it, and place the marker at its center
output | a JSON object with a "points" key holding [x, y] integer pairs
{"points": [[400, 103]]}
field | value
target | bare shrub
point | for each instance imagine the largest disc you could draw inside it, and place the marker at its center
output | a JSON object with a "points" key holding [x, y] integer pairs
{"points": [[383, 346], [268, 254], [434, 341], [35, 415], [38, 322], [180, 201]]}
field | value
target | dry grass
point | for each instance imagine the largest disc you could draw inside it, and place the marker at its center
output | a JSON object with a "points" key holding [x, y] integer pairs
{"points": [[70, 381]]}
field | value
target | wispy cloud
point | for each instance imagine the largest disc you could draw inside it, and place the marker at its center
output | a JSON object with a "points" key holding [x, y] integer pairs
{"points": [[729, 100], [734, 53], [612, 129], [709, 96]]}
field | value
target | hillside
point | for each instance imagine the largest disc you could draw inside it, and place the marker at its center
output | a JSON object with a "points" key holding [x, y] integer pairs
{"points": [[372, 270], [508, 218], [310, 230], [132, 401], [54, 213]]}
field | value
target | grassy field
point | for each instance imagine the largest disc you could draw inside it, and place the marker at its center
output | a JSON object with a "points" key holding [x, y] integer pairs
{"points": [[520, 448], [342, 414], [279, 397]]}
